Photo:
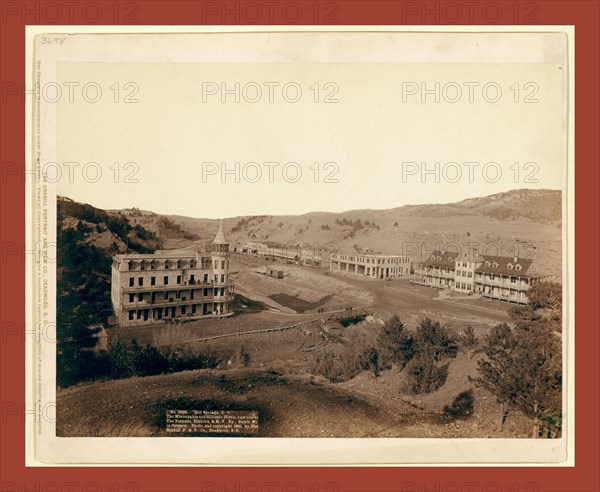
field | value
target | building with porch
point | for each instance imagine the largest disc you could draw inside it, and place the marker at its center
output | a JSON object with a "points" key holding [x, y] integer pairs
{"points": [[496, 277], [371, 265], [438, 270], [506, 278], [148, 288]]}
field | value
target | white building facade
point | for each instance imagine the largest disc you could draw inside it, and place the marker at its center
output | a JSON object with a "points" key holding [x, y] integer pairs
{"points": [[371, 266], [150, 288], [496, 277]]}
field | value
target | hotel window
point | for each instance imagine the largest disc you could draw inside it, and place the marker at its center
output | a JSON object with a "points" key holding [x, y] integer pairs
{"points": [[178, 279], [223, 264], [139, 315], [205, 277], [152, 265], [140, 281], [193, 309], [140, 297], [131, 297], [152, 280], [131, 281], [131, 315], [131, 265], [166, 280], [142, 265], [222, 278], [183, 309], [167, 265]]}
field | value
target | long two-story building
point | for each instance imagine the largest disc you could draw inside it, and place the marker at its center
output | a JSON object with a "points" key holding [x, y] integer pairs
{"points": [[496, 277], [148, 288], [371, 265]]}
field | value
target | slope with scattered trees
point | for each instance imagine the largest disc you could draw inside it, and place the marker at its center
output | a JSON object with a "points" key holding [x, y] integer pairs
{"points": [[523, 363]]}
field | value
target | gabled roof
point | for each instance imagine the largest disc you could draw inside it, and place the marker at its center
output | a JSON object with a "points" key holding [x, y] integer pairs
{"points": [[505, 265], [441, 258]]}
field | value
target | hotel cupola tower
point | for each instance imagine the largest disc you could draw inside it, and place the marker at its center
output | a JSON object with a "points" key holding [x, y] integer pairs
{"points": [[220, 259]]}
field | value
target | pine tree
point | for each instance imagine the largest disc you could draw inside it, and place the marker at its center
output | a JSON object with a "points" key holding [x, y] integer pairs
{"points": [[496, 369], [523, 365], [433, 340], [397, 345]]}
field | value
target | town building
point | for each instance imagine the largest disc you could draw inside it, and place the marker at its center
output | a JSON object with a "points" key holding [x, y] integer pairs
{"points": [[292, 253], [371, 265], [506, 278], [496, 277], [272, 272], [438, 270], [149, 288]]}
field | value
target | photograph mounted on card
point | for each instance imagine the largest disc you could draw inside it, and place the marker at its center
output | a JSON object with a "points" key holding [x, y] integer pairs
{"points": [[352, 244]]}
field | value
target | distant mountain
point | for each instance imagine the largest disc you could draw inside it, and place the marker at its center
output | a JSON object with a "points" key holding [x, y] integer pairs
{"points": [[543, 206]]}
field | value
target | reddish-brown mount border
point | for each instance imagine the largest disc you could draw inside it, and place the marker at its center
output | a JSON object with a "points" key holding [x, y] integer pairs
{"points": [[583, 477]]}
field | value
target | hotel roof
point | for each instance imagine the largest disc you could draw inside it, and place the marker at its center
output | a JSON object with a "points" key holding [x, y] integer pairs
{"points": [[505, 265], [441, 258]]}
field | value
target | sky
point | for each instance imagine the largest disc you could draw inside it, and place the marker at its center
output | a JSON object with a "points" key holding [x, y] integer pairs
{"points": [[304, 137]]}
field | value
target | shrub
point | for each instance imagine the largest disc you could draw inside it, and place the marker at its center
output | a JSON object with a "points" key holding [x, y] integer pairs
{"points": [[353, 359], [434, 341], [462, 406], [242, 356], [396, 344], [330, 367], [468, 338], [425, 375], [131, 359]]}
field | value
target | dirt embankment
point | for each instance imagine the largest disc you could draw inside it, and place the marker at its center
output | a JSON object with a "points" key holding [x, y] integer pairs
{"points": [[297, 406]]}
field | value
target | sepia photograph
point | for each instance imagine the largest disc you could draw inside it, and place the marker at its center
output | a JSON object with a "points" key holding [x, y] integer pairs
{"points": [[302, 235]]}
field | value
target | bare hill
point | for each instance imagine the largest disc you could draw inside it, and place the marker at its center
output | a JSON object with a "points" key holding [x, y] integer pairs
{"points": [[528, 220]]}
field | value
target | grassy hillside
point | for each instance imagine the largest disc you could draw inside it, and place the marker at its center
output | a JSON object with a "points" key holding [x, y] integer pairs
{"points": [[493, 224], [87, 238]]}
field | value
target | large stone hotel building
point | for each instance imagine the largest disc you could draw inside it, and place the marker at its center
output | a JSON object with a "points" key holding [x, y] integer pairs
{"points": [[148, 288]]}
